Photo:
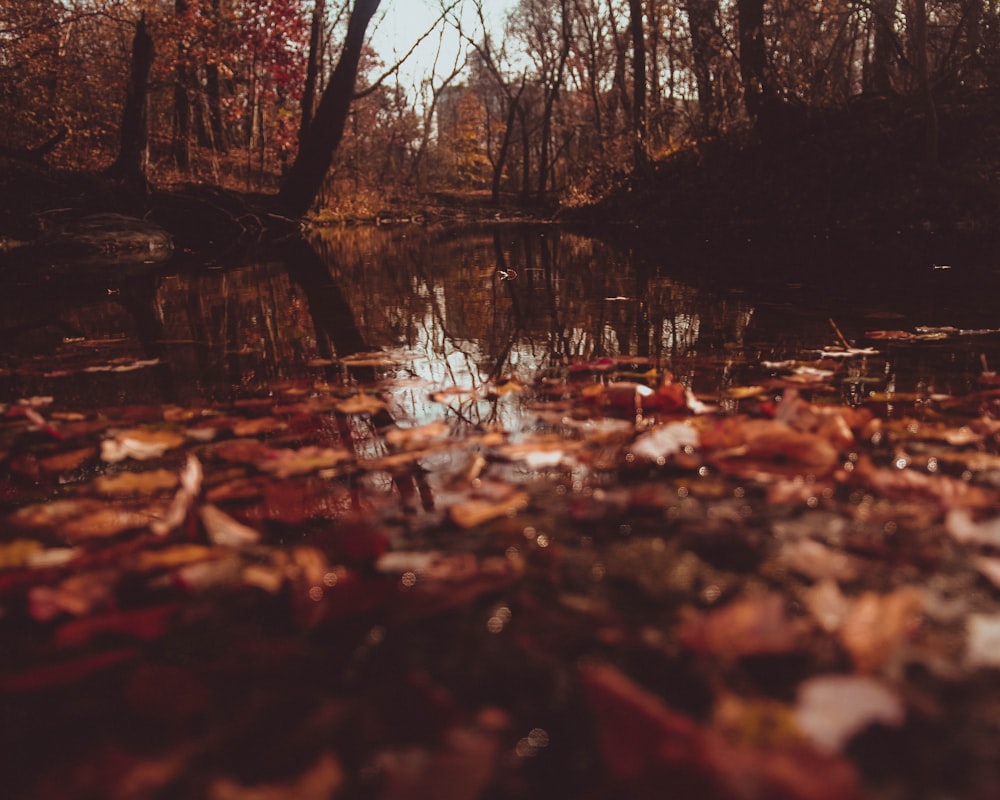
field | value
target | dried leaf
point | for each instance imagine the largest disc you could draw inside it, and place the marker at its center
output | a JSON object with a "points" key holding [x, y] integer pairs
{"points": [[19, 552], [477, 511], [141, 444], [321, 781], [827, 604], [817, 561], [831, 709], [961, 525], [746, 626], [190, 480], [136, 483], [223, 530], [983, 647], [646, 746], [360, 403], [284, 462], [420, 436], [107, 520], [877, 625], [256, 427], [664, 441], [67, 461]]}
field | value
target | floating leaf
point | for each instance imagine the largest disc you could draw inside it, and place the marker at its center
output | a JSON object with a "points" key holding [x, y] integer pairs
{"points": [[420, 436], [285, 462], [256, 427], [360, 403], [475, 512], [18, 552], [141, 444], [136, 483], [664, 441]]}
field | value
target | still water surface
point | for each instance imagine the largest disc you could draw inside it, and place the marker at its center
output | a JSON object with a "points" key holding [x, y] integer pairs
{"points": [[455, 308]]}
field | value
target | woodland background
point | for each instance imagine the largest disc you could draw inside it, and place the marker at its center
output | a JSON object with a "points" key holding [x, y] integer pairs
{"points": [[559, 107]]}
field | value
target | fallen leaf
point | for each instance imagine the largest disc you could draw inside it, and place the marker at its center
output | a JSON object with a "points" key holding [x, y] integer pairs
{"points": [[827, 604], [961, 525], [321, 781], [286, 462], [646, 746], [877, 625], [831, 709], [475, 512], [983, 643], [817, 561], [136, 483], [360, 403], [223, 530], [140, 444], [664, 441], [745, 626], [419, 436], [19, 552]]}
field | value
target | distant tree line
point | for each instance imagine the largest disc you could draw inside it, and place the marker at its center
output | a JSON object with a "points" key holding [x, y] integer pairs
{"points": [[567, 96]]}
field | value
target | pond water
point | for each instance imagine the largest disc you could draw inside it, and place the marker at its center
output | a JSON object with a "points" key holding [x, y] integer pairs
{"points": [[460, 307], [508, 512]]}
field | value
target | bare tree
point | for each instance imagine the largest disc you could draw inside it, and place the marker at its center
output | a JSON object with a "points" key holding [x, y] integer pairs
{"points": [[322, 137]]}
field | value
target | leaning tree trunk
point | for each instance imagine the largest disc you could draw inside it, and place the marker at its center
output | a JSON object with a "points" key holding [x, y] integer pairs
{"points": [[312, 66], [321, 138], [133, 152]]}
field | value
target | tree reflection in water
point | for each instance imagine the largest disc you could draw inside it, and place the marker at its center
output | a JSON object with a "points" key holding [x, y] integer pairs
{"points": [[443, 304]]}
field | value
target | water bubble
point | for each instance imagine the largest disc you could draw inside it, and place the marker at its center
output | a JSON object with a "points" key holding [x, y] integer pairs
{"points": [[315, 593], [408, 579]]}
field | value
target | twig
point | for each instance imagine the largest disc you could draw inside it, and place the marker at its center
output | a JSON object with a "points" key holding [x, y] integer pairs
{"points": [[840, 336]]}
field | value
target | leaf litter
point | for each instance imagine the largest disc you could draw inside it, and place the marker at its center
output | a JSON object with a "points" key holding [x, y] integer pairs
{"points": [[786, 588]]}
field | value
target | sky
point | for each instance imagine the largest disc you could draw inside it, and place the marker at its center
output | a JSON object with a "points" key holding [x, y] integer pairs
{"points": [[400, 23]]}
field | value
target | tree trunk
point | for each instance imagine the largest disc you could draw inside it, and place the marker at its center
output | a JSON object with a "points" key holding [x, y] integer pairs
{"points": [[322, 138], [181, 141], [133, 153], [885, 46], [757, 91], [916, 11], [703, 27], [501, 162], [312, 66], [213, 92], [640, 154]]}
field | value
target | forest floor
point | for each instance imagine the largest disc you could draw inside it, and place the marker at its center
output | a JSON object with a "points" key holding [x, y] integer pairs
{"points": [[787, 589]]}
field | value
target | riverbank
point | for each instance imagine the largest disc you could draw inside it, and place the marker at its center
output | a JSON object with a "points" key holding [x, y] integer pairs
{"points": [[863, 170]]}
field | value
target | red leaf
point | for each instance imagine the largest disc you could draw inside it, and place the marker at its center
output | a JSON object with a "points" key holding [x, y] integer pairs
{"points": [[647, 747], [62, 673]]}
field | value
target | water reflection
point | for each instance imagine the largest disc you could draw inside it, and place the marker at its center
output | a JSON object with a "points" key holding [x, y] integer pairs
{"points": [[449, 308], [449, 305]]}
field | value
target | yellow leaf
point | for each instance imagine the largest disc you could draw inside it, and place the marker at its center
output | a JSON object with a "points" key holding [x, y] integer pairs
{"points": [[135, 483], [18, 552], [139, 443], [475, 512], [361, 403]]}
